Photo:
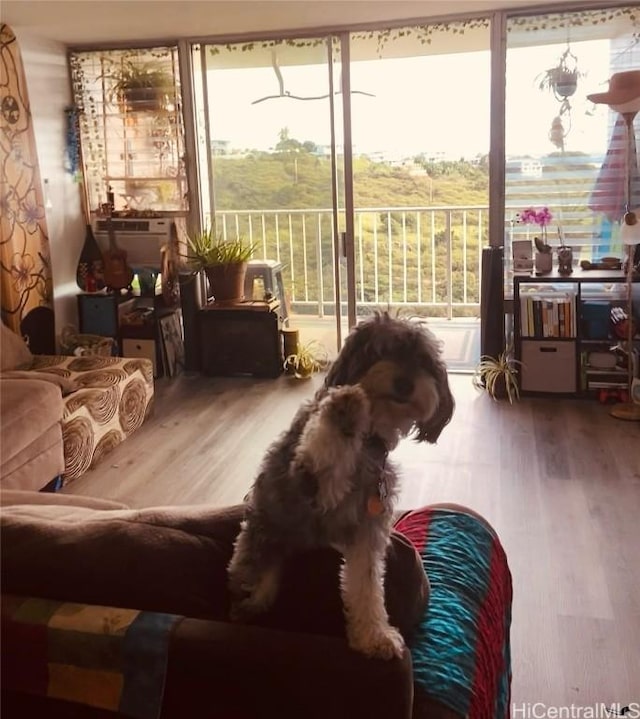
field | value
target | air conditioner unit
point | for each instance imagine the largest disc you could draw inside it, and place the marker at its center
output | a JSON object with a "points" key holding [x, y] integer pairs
{"points": [[141, 238]]}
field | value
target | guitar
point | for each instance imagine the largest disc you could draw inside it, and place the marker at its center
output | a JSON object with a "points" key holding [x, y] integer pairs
{"points": [[117, 273]]}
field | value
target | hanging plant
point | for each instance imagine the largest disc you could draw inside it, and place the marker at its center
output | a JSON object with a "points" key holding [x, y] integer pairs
{"points": [[562, 79]]}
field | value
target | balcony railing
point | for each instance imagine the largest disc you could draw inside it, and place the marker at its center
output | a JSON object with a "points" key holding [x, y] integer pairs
{"points": [[423, 258]]}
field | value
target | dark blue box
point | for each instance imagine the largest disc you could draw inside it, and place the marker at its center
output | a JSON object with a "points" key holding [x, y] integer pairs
{"points": [[596, 319]]}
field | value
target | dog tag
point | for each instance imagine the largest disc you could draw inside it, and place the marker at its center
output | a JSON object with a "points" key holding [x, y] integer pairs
{"points": [[382, 489], [375, 506]]}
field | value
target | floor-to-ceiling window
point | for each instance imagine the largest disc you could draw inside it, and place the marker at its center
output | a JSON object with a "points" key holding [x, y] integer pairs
{"points": [[564, 152]]}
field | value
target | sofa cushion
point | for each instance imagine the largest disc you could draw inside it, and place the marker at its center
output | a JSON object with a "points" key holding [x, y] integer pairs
{"points": [[10, 497], [14, 353], [29, 408], [37, 464], [175, 560], [65, 384]]}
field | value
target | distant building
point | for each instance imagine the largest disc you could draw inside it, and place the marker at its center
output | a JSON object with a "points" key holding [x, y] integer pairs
{"points": [[220, 147], [531, 168]]}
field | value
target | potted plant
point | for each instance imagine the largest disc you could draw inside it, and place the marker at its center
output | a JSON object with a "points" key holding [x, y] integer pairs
{"points": [[498, 376], [224, 263], [140, 85], [542, 217], [309, 357]]}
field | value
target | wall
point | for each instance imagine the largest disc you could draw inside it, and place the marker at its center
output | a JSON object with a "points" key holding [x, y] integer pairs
{"points": [[45, 67]]}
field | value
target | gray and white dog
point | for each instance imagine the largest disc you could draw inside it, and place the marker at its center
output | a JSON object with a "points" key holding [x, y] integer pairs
{"points": [[327, 481]]}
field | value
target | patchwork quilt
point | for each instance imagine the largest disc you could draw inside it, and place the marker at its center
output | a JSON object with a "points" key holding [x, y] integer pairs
{"points": [[114, 659]]}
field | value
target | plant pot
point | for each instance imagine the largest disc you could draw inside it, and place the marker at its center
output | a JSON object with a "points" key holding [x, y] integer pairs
{"points": [[142, 99], [565, 261], [226, 282], [543, 262], [566, 84]]}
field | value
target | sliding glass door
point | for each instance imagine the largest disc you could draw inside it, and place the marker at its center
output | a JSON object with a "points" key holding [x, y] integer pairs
{"points": [[269, 126], [420, 133], [358, 162]]}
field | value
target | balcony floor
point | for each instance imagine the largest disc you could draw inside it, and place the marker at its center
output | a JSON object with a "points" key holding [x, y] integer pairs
{"points": [[460, 337]]}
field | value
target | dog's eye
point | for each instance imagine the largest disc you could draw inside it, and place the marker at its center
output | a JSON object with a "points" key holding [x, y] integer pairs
{"points": [[402, 388]]}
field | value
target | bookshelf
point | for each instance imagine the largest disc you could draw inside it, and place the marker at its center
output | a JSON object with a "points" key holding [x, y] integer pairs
{"points": [[563, 333]]}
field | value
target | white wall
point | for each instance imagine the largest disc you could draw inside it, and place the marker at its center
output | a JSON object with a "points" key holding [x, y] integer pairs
{"points": [[45, 67]]}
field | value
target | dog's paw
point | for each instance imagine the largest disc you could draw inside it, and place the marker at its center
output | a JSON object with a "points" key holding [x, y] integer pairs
{"points": [[347, 409], [243, 610], [377, 642]]}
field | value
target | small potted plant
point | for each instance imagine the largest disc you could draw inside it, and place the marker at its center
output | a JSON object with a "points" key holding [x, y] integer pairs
{"points": [[541, 217], [224, 262], [498, 376], [309, 357], [138, 85]]}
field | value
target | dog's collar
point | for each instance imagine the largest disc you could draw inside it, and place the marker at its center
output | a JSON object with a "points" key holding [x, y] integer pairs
{"points": [[376, 502]]}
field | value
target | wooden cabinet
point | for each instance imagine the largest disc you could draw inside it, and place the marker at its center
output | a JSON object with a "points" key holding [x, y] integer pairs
{"points": [[241, 339], [563, 332], [137, 326]]}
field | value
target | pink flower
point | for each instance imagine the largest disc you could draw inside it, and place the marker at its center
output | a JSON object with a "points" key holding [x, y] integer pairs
{"points": [[541, 217]]}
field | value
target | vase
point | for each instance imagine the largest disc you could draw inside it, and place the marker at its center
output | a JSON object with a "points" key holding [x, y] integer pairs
{"points": [[565, 261], [543, 262]]}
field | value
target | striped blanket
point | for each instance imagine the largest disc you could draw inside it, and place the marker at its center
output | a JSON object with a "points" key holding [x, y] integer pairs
{"points": [[109, 658], [461, 651]]}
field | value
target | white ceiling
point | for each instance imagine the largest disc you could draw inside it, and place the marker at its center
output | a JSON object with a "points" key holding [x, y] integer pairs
{"points": [[79, 22]]}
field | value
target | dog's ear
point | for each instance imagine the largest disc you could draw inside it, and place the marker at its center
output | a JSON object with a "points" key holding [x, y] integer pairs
{"points": [[430, 431]]}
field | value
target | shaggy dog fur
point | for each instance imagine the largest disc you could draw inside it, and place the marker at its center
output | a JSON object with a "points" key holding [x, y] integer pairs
{"points": [[326, 481]]}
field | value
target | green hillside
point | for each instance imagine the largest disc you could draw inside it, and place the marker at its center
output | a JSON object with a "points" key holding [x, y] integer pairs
{"points": [[297, 177]]}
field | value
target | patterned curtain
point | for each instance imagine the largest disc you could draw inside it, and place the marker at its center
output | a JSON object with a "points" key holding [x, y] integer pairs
{"points": [[25, 269]]}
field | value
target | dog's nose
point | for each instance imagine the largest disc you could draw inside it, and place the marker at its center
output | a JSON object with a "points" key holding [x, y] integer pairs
{"points": [[402, 388]]}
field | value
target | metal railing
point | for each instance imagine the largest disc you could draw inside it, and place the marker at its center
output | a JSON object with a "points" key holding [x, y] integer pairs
{"points": [[423, 258]]}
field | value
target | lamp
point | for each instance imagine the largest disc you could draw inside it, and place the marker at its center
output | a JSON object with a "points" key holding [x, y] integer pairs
{"points": [[624, 97]]}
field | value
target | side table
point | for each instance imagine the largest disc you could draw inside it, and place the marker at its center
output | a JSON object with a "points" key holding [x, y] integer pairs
{"points": [[241, 338]]}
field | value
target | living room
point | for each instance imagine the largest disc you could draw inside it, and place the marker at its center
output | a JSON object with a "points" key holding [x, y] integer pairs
{"points": [[554, 473]]}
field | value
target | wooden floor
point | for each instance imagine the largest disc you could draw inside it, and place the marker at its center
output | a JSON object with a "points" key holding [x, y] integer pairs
{"points": [[558, 479]]}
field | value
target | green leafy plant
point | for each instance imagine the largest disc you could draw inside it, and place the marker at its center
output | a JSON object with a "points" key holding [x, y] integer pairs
{"points": [[206, 249], [310, 357], [498, 376], [140, 85]]}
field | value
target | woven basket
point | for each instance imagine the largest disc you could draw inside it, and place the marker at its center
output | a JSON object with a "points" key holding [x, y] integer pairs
{"points": [[73, 343]]}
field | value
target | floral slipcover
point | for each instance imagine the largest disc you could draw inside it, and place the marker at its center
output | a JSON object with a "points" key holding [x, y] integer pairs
{"points": [[114, 395]]}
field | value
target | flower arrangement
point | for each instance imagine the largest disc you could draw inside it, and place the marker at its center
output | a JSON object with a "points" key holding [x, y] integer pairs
{"points": [[541, 217]]}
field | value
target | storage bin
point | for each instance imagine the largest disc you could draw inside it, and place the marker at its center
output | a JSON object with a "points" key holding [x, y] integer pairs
{"points": [[548, 366], [141, 348], [596, 320]]}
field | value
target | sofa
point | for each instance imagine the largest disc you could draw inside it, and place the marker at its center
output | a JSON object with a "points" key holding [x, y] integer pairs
{"points": [[115, 612], [61, 414]]}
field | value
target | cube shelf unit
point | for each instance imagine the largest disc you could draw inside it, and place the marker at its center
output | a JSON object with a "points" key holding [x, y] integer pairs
{"points": [[562, 331]]}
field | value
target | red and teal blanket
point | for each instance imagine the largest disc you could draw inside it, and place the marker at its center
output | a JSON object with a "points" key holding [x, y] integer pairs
{"points": [[461, 651]]}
